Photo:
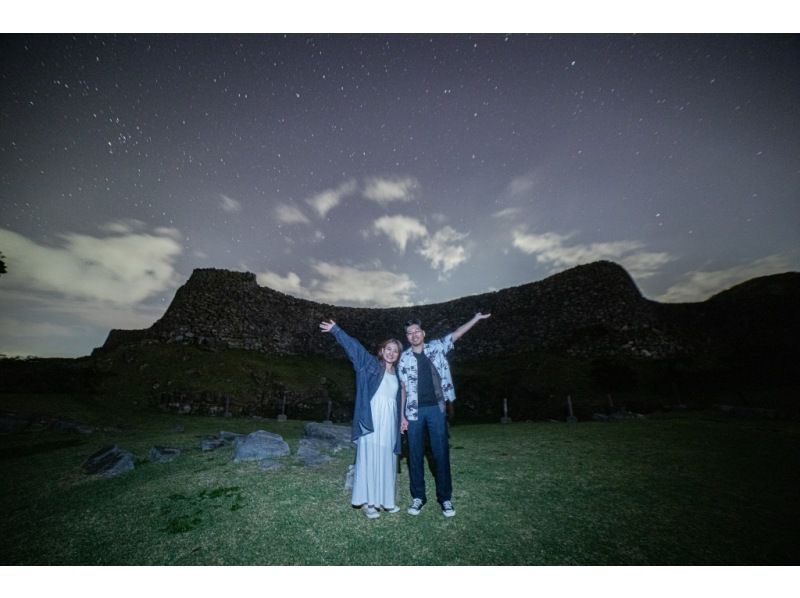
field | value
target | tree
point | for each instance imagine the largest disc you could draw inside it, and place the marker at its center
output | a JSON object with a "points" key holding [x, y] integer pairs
{"points": [[2, 264]]}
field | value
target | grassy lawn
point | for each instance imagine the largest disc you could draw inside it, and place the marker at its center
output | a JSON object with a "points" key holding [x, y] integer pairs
{"points": [[686, 489]]}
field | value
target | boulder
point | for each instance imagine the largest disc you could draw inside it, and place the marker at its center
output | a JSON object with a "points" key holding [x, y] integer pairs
{"points": [[259, 445], [210, 443], [230, 437], [163, 454], [350, 477], [309, 455], [328, 436], [108, 462]]}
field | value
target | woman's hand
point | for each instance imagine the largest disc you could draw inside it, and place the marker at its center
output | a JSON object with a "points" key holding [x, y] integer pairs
{"points": [[326, 326], [403, 424]]}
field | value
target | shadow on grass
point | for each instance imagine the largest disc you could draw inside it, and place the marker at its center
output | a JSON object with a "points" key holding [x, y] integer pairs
{"points": [[186, 513], [12, 452]]}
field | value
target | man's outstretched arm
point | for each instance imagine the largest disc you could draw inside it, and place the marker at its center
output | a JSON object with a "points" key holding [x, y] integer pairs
{"points": [[464, 328]]}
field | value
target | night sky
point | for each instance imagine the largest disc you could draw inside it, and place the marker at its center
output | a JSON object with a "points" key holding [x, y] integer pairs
{"points": [[384, 170]]}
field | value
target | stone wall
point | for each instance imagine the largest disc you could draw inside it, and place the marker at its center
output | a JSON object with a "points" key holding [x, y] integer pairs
{"points": [[593, 309]]}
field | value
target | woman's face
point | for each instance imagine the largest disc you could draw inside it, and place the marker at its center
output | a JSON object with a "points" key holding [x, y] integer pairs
{"points": [[390, 353]]}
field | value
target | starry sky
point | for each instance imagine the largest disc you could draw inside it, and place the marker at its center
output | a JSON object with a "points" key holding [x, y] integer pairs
{"points": [[384, 170]]}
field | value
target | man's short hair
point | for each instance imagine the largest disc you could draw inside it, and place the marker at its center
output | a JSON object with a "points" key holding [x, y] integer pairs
{"points": [[413, 322]]}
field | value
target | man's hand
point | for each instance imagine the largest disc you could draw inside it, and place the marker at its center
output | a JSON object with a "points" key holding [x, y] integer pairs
{"points": [[462, 330], [326, 326]]}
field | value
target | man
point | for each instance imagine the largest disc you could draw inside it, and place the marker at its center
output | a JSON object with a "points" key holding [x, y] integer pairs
{"points": [[426, 386]]}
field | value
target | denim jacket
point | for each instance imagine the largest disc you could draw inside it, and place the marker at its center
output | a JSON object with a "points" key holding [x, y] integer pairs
{"points": [[369, 374], [436, 351]]}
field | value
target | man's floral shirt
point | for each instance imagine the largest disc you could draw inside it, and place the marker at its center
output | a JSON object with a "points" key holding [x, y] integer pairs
{"points": [[436, 351]]}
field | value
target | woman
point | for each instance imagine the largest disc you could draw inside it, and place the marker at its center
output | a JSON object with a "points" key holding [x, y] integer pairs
{"points": [[376, 421]]}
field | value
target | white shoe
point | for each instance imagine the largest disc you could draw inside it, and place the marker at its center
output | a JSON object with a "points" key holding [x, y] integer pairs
{"points": [[447, 509], [392, 509], [371, 512]]}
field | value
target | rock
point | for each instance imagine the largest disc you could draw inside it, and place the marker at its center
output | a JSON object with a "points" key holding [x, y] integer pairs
{"points": [[259, 445], [10, 422], [230, 437], [319, 444], [211, 443], [108, 462], [349, 477], [328, 436], [309, 455], [162, 454], [599, 417]]}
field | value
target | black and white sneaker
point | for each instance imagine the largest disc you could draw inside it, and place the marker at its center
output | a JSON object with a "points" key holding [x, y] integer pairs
{"points": [[447, 509], [416, 506]]}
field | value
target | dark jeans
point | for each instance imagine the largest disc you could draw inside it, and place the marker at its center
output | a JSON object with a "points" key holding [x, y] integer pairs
{"points": [[431, 419]]}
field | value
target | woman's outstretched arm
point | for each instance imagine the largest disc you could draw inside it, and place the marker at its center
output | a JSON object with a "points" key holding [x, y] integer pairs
{"points": [[356, 352]]}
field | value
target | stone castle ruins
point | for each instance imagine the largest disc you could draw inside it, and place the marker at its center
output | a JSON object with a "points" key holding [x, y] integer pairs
{"points": [[590, 311]]}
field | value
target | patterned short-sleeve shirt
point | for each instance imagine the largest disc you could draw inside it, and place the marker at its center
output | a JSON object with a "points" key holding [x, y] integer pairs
{"points": [[436, 351]]}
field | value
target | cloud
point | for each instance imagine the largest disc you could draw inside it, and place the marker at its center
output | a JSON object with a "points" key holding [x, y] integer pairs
{"points": [[385, 191], [230, 205], [289, 284], [543, 244], [56, 326], [287, 214], [345, 285], [123, 226], [521, 185], [400, 229], [325, 201], [125, 268], [552, 248], [699, 285], [79, 312], [26, 329], [509, 213], [375, 288], [444, 250]]}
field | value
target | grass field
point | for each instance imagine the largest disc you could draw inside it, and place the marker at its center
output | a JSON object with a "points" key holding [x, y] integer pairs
{"points": [[691, 489]]}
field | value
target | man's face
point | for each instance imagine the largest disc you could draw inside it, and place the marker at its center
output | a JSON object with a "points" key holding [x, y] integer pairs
{"points": [[415, 335]]}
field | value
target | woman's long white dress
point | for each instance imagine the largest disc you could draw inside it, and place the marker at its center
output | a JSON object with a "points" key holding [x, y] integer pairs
{"points": [[376, 463]]}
